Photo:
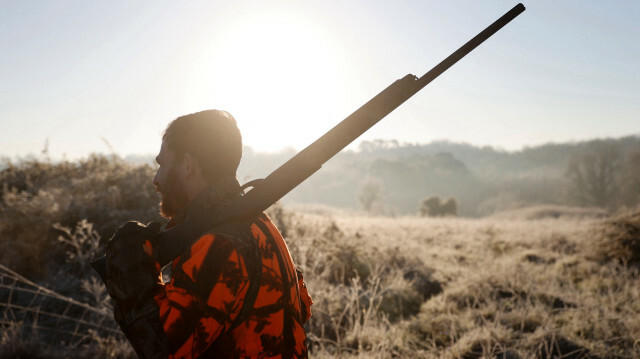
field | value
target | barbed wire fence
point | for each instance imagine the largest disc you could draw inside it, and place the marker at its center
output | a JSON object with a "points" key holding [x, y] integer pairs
{"points": [[51, 316]]}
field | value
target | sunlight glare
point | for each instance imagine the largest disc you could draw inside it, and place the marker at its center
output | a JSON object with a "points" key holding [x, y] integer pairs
{"points": [[279, 76]]}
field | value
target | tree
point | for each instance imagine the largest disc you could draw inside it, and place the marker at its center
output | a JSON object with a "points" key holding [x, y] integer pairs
{"points": [[370, 194], [449, 208], [630, 178], [433, 207], [594, 173], [430, 206]]}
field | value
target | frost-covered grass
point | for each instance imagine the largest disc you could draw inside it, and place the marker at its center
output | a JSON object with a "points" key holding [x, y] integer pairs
{"points": [[533, 283], [513, 287]]}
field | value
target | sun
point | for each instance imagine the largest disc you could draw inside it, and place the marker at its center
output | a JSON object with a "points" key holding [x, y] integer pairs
{"points": [[279, 73]]}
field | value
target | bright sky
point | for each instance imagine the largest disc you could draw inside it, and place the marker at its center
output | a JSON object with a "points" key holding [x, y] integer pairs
{"points": [[82, 73]]}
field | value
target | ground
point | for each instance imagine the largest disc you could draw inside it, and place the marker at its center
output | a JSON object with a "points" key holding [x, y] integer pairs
{"points": [[535, 283]]}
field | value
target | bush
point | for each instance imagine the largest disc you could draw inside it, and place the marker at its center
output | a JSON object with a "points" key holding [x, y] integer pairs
{"points": [[619, 240], [433, 207], [35, 195], [52, 216]]}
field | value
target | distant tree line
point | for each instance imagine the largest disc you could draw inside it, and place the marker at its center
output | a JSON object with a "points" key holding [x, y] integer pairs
{"points": [[600, 173], [603, 176]]}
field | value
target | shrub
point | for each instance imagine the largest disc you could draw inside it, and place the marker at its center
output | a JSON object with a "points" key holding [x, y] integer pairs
{"points": [[433, 207], [619, 239], [400, 303], [82, 243], [35, 195]]}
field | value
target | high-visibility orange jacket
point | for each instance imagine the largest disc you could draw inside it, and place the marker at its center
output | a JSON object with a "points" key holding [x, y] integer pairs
{"points": [[210, 282]]}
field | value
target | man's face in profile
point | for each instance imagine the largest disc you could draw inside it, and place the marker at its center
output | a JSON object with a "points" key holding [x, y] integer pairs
{"points": [[169, 184]]}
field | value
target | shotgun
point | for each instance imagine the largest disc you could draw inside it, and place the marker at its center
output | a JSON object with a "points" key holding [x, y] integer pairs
{"points": [[171, 243]]}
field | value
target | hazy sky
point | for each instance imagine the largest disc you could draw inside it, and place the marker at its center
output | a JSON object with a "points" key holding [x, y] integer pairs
{"points": [[84, 73]]}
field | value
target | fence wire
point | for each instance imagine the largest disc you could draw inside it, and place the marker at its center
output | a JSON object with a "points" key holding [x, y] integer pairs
{"points": [[53, 317]]}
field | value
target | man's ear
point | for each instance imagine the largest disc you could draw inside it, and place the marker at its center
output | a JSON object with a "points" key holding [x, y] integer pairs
{"points": [[191, 165]]}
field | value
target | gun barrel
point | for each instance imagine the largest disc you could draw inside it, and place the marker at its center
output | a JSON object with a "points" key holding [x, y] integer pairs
{"points": [[445, 64]]}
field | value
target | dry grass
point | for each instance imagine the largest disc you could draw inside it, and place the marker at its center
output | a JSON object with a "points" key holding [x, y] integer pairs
{"points": [[40, 323], [509, 286], [517, 286], [619, 239]]}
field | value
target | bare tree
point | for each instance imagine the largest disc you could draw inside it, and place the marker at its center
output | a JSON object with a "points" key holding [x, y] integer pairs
{"points": [[594, 173], [370, 194], [630, 178]]}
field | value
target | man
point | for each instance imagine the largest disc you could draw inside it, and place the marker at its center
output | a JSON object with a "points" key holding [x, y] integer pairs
{"points": [[235, 291]]}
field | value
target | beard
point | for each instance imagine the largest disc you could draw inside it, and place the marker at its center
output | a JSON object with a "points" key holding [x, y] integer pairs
{"points": [[174, 197]]}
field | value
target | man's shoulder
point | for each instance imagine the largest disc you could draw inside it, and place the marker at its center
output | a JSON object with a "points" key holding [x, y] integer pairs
{"points": [[238, 232], [242, 236]]}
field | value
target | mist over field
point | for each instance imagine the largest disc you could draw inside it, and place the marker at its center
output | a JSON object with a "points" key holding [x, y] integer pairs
{"points": [[436, 250], [396, 178]]}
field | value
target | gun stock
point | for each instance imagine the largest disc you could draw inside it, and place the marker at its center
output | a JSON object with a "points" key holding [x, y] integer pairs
{"points": [[172, 242]]}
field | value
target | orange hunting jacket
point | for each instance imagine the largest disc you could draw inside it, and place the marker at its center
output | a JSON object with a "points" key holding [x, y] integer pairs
{"points": [[208, 287]]}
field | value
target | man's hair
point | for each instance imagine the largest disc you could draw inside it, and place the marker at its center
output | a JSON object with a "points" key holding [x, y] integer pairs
{"points": [[212, 137]]}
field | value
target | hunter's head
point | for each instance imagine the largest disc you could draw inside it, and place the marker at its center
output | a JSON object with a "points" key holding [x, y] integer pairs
{"points": [[198, 150]]}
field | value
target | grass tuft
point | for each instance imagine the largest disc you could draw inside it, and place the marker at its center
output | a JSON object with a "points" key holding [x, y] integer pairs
{"points": [[619, 240]]}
